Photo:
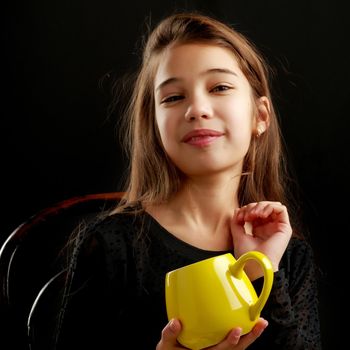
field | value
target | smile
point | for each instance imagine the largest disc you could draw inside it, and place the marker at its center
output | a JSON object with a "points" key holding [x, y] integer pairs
{"points": [[201, 137]]}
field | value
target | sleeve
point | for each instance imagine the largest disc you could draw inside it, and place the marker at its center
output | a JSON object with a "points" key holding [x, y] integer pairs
{"points": [[94, 299], [292, 309]]}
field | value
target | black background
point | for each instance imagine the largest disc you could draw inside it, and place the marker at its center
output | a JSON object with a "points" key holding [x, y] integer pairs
{"points": [[59, 62]]}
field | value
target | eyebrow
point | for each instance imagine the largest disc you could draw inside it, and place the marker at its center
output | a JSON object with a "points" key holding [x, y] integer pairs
{"points": [[209, 71]]}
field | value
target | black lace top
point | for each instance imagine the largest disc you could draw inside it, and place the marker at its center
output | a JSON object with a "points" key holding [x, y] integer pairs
{"points": [[117, 299]]}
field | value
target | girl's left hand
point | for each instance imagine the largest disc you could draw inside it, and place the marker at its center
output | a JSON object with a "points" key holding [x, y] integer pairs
{"points": [[262, 226]]}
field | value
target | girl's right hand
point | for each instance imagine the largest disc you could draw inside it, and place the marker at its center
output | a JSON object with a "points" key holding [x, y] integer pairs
{"points": [[232, 341]]}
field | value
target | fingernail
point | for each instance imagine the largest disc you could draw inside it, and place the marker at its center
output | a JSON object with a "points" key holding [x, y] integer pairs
{"points": [[234, 336], [266, 323], [237, 332], [172, 325]]}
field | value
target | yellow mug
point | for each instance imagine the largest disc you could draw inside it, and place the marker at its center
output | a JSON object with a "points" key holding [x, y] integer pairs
{"points": [[212, 296]]}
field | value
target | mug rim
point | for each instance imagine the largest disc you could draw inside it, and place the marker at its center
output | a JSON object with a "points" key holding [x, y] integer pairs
{"points": [[201, 261]]}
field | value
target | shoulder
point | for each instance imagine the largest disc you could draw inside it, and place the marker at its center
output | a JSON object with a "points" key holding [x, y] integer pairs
{"points": [[111, 239], [112, 223], [115, 229]]}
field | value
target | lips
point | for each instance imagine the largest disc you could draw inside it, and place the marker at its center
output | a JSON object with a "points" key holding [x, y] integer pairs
{"points": [[201, 136]]}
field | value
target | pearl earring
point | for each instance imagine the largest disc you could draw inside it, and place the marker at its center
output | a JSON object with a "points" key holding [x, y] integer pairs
{"points": [[259, 131]]}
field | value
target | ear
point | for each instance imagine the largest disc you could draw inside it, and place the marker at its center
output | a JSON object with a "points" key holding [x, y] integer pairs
{"points": [[263, 115]]}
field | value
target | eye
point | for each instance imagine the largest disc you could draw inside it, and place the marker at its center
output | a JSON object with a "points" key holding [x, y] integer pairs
{"points": [[173, 98], [220, 88]]}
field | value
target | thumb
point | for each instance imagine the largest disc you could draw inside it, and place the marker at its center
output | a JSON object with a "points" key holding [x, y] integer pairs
{"points": [[169, 334], [237, 226]]}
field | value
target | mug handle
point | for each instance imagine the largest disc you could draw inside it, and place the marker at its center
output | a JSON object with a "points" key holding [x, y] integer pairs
{"points": [[237, 271]]}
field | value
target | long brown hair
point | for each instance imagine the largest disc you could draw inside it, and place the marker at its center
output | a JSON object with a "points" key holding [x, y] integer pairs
{"points": [[153, 178]]}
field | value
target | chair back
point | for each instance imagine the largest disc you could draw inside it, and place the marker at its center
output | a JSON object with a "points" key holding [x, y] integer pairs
{"points": [[31, 260]]}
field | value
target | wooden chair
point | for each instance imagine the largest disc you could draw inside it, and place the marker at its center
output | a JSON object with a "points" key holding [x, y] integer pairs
{"points": [[30, 263]]}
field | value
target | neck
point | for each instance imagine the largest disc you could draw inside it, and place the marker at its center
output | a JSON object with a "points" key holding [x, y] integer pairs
{"points": [[200, 212], [199, 194], [207, 202]]}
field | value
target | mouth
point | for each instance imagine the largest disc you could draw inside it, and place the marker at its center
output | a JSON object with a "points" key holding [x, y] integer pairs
{"points": [[201, 137]]}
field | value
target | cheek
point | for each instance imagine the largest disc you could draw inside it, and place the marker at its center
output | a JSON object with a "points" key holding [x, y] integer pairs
{"points": [[241, 138], [166, 127], [240, 122]]}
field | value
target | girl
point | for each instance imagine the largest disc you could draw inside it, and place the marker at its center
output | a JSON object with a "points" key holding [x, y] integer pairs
{"points": [[207, 176]]}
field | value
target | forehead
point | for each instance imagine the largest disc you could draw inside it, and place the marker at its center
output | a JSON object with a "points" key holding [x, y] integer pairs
{"points": [[192, 59]]}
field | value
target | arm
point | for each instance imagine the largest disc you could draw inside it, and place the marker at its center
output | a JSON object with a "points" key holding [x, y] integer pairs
{"points": [[292, 309]]}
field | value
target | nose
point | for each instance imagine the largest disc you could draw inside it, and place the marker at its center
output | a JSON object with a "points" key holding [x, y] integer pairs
{"points": [[198, 108]]}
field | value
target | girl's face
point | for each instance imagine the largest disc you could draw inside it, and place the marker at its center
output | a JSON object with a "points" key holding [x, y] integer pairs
{"points": [[204, 109]]}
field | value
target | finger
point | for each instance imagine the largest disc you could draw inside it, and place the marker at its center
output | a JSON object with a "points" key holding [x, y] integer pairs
{"points": [[241, 212], [256, 210], [243, 217], [238, 219], [231, 339], [255, 333], [276, 212], [264, 210], [169, 335], [237, 228]]}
